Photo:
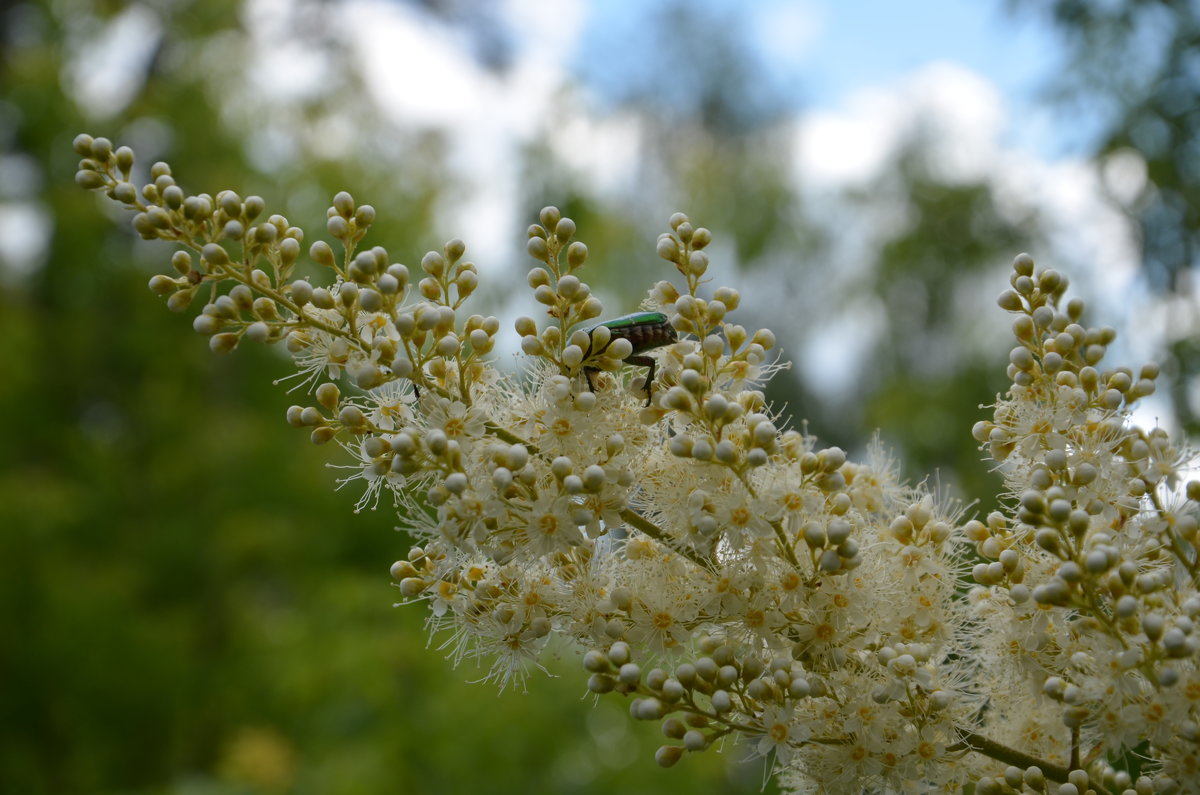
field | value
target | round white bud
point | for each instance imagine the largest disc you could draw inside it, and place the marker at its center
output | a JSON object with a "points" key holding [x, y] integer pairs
{"points": [[572, 356]]}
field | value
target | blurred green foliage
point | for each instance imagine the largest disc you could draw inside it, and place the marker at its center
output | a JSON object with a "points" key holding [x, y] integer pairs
{"points": [[922, 386]]}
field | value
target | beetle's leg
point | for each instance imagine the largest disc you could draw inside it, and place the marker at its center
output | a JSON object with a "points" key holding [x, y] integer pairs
{"points": [[651, 364], [587, 371]]}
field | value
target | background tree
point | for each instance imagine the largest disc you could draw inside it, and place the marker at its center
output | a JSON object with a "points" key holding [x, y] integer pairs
{"points": [[1130, 83]]}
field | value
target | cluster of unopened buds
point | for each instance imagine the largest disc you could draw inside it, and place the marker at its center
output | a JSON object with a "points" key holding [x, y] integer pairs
{"points": [[632, 490]]}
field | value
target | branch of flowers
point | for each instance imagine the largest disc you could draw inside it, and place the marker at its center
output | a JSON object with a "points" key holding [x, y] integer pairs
{"points": [[1191, 562], [1095, 610], [789, 554], [628, 515], [225, 270], [635, 519], [302, 320], [781, 539], [508, 436], [1002, 753], [688, 705], [464, 390], [418, 374]]}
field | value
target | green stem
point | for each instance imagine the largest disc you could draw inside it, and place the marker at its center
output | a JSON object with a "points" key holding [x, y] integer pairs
{"points": [[1002, 753], [781, 538], [636, 520], [508, 436]]}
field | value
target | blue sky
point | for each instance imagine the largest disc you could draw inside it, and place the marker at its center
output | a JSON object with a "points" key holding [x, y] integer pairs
{"points": [[820, 52], [866, 42]]}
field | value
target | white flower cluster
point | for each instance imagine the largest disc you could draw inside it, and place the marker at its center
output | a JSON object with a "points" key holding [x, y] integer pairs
{"points": [[1090, 585], [728, 576]]}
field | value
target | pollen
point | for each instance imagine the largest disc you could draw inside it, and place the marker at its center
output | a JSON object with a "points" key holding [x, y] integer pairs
{"points": [[778, 732], [1192, 691]]}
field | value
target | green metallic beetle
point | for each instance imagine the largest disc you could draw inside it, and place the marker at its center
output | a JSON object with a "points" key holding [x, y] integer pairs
{"points": [[645, 332]]}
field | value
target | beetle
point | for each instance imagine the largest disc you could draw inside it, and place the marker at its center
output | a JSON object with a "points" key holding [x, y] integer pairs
{"points": [[645, 332]]}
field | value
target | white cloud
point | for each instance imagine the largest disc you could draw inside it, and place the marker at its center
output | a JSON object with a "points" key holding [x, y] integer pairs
{"points": [[603, 152], [546, 34], [105, 72], [785, 30], [837, 148], [418, 71], [959, 109], [285, 68], [25, 229], [831, 355]]}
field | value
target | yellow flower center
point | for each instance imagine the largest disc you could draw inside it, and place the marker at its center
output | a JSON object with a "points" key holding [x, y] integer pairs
{"points": [[778, 732], [1192, 691]]}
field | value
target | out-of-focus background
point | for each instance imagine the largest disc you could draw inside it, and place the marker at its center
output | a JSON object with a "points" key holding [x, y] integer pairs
{"points": [[188, 605]]}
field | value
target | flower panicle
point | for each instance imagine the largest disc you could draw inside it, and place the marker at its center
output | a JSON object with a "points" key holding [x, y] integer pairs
{"points": [[727, 574], [1093, 570]]}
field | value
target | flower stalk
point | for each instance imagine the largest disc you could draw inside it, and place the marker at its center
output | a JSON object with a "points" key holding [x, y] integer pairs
{"points": [[728, 575]]}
